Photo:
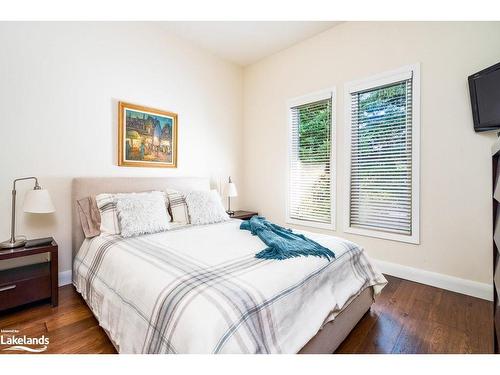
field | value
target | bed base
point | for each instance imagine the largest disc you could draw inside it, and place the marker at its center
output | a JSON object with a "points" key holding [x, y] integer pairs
{"points": [[333, 333]]}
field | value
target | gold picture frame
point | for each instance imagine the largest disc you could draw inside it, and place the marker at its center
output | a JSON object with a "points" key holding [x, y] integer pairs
{"points": [[147, 137]]}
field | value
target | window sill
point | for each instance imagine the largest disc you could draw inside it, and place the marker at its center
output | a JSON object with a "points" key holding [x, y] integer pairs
{"points": [[311, 224], [413, 239]]}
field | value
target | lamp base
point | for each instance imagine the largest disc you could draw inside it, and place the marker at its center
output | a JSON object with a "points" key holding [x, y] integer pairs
{"points": [[11, 245], [230, 213]]}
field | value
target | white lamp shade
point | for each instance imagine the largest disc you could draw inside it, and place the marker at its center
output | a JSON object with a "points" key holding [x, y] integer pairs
{"points": [[231, 190], [38, 201]]}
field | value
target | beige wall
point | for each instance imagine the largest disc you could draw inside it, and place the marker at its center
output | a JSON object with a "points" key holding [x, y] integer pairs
{"points": [[455, 162], [59, 87]]}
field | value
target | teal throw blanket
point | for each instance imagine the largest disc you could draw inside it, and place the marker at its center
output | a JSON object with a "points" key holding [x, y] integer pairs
{"points": [[283, 243]]}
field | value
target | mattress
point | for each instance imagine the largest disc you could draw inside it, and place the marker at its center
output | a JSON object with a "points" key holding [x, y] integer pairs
{"points": [[200, 289]]}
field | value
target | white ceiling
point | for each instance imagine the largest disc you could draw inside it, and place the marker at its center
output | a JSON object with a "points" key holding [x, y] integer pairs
{"points": [[246, 42]]}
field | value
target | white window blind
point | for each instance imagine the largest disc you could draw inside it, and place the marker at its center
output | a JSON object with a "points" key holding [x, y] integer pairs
{"points": [[381, 163], [310, 170]]}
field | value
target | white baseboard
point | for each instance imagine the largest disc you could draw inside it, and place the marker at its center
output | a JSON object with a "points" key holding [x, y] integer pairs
{"points": [[439, 280], [65, 278]]}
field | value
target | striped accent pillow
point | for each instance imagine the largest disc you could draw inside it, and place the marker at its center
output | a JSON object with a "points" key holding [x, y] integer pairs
{"points": [[106, 203], [178, 206]]}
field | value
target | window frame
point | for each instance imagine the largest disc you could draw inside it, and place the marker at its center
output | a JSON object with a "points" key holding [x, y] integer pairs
{"points": [[329, 93], [372, 82]]}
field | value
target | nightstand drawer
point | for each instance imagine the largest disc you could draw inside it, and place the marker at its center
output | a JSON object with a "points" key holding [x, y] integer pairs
{"points": [[24, 285]]}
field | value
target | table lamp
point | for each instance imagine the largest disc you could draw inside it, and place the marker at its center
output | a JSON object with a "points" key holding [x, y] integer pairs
{"points": [[230, 192], [36, 201]]}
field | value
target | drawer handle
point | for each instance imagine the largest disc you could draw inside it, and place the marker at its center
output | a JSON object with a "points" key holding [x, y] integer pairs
{"points": [[8, 287]]}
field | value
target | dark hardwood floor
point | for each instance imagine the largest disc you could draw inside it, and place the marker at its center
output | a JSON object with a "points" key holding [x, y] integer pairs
{"points": [[410, 317], [406, 318], [70, 327]]}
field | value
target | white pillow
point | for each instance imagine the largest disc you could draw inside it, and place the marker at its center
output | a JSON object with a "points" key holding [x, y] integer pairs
{"points": [[106, 203], [142, 213], [205, 207]]}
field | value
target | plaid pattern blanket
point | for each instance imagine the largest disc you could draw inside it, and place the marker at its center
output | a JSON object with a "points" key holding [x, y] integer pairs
{"points": [[200, 289]]}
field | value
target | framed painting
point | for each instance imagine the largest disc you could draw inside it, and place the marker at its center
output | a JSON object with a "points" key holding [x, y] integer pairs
{"points": [[147, 137]]}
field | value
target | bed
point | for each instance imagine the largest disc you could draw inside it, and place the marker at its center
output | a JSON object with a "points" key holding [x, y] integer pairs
{"points": [[200, 289]]}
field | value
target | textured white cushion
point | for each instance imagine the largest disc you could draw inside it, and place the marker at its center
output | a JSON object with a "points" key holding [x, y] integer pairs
{"points": [[205, 207], [106, 203], [142, 213]]}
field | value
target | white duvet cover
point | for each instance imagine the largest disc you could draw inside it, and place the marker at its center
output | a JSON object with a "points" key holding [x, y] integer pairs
{"points": [[201, 290]]}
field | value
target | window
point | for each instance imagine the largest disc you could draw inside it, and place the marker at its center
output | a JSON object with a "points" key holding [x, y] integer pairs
{"points": [[383, 170], [311, 166]]}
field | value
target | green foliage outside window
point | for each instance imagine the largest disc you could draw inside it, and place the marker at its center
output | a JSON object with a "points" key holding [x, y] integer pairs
{"points": [[375, 109], [314, 132], [380, 142]]}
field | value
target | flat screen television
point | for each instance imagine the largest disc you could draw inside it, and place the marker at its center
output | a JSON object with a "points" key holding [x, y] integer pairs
{"points": [[484, 87]]}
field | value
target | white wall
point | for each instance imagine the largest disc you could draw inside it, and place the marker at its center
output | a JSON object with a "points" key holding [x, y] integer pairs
{"points": [[455, 162], [59, 88], [60, 83]]}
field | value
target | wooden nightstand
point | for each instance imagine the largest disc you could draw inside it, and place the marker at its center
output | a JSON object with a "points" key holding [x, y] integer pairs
{"points": [[243, 215], [30, 283]]}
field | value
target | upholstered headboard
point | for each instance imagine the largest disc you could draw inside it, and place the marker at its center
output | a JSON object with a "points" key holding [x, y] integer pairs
{"points": [[91, 186]]}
